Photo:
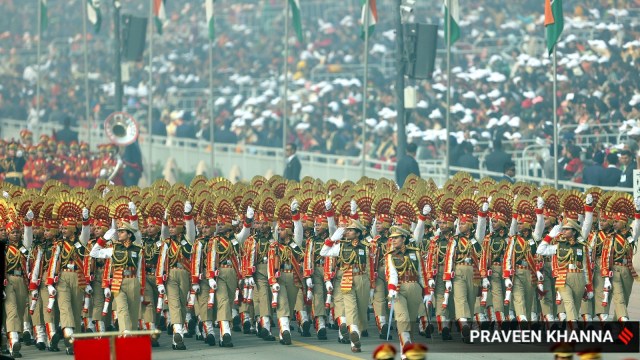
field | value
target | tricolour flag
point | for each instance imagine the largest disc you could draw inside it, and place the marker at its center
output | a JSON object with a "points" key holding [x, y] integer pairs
{"points": [[553, 22], [94, 15], [372, 13], [452, 14], [44, 19], [296, 18], [208, 7], [159, 14]]}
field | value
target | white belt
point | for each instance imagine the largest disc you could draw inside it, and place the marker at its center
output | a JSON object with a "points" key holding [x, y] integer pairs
{"points": [[572, 267]]}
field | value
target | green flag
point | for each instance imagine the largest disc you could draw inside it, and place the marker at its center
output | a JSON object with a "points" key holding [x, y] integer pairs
{"points": [[159, 14], [452, 14], [44, 19], [553, 22], [208, 7], [296, 18], [94, 15], [372, 13]]}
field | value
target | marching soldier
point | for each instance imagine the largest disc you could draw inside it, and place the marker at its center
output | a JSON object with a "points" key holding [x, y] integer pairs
{"points": [[204, 301], [314, 269], [152, 244], [124, 272], [462, 258], [405, 278], [94, 270], [173, 270], [223, 268], [617, 254], [377, 253], [352, 259]]}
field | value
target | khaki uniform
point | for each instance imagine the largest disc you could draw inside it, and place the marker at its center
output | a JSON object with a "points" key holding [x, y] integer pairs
{"points": [[461, 259], [43, 320], [572, 267], [519, 266], [493, 249], [377, 261], [16, 294], [434, 266], [617, 264], [149, 305]]}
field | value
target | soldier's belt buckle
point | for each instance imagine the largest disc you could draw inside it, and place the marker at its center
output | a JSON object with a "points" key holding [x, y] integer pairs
{"points": [[572, 267], [286, 266], [467, 260], [179, 266], [356, 269], [126, 272], [17, 272], [71, 266]]}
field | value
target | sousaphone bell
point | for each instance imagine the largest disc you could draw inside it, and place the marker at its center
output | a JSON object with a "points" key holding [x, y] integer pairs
{"points": [[121, 128]]}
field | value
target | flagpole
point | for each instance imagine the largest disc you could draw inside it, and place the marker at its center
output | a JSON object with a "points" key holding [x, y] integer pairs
{"points": [[286, 81], [211, 125], [555, 120], [39, 6], [86, 71], [365, 85], [150, 97], [448, 112]]}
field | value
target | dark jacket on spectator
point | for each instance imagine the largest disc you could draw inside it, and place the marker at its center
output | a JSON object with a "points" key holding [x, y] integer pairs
{"points": [[611, 176], [626, 177], [406, 165], [292, 171], [593, 174]]}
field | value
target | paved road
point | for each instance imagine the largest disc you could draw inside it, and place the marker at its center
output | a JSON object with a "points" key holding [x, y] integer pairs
{"points": [[249, 346]]}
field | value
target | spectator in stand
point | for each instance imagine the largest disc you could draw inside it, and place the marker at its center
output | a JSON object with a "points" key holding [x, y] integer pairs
{"points": [[574, 166], [496, 160], [66, 135], [467, 159], [293, 168], [407, 165], [509, 172], [593, 173], [627, 165], [611, 176]]}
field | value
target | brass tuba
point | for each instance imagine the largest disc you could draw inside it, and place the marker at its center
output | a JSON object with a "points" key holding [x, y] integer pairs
{"points": [[121, 128]]}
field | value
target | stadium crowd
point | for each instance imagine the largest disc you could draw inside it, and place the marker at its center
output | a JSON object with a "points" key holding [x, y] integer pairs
{"points": [[502, 82]]}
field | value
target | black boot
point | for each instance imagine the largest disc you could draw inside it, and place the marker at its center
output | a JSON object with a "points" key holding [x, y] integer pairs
{"points": [[446, 334], [226, 341], [210, 340], [286, 338], [306, 326], [322, 334]]}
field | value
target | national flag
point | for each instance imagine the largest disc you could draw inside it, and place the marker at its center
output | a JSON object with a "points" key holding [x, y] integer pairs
{"points": [[159, 14], [296, 18], [208, 7], [94, 15], [553, 22], [44, 19], [372, 13], [452, 14]]}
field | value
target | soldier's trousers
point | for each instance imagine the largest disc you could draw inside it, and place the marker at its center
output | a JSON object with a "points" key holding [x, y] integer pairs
{"points": [[40, 315], [548, 301], [287, 296], [522, 292], [202, 302], [227, 283], [14, 303], [464, 291], [598, 296], [128, 303], [262, 292], [407, 305], [151, 299], [356, 300], [319, 292], [621, 284], [572, 293], [438, 295], [380, 307], [178, 286], [70, 300], [97, 298]]}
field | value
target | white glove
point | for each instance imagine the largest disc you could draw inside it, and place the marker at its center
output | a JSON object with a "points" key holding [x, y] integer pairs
{"points": [[103, 173], [508, 283], [327, 204], [106, 189], [371, 294], [426, 299], [52, 290], [30, 215], [34, 294], [132, 208], [431, 283], [107, 292], [485, 207], [275, 287], [337, 235], [166, 214], [489, 199], [555, 231], [354, 207], [309, 283], [448, 285], [393, 294], [589, 199], [607, 283], [213, 284], [5, 194], [541, 287], [88, 289], [195, 287], [328, 285], [187, 207], [486, 283], [294, 206], [637, 202], [85, 214], [590, 295], [161, 289], [109, 235], [19, 153], [540, 202], [426, 210], [540, 276], [250, 212]]}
